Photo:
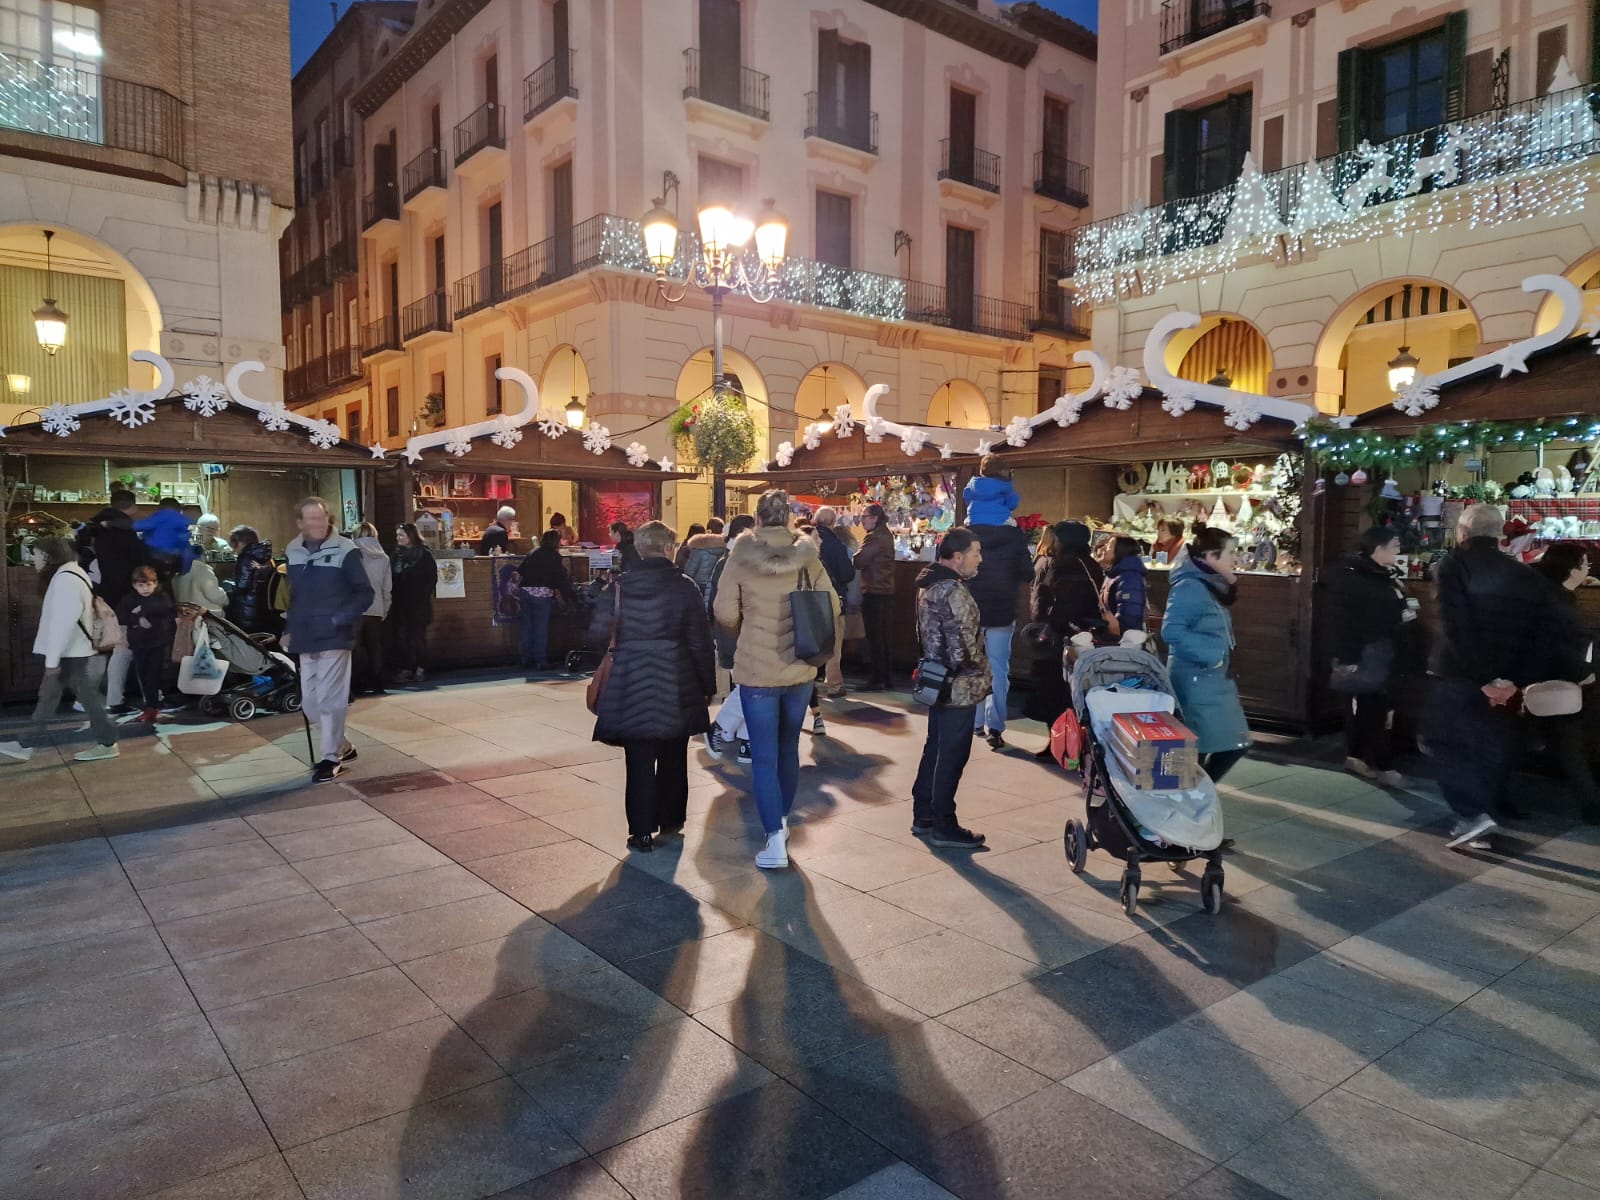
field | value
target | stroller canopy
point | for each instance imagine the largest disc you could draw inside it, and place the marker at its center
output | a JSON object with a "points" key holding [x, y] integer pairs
{"points": [[1107, 666]]}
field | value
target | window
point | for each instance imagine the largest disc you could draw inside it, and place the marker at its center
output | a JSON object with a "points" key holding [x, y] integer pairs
{"points": [[960, 275], [1404, 87], [833, 229], [1055, 264], [352, 423], [391, 404], [720, 182], [1205, 147], [493, 396], [61, 37], [1055, 130], [844, 89]]}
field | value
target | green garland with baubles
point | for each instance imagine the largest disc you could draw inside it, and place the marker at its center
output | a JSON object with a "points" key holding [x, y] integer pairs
{"points": [[1337, 448]]}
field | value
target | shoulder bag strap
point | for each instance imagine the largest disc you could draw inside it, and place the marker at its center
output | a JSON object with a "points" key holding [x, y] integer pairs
{"points": [[616, 613]]}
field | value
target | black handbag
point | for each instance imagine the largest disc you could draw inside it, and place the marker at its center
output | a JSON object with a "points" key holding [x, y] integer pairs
{"points": [[930, 683], [811, 610], [1369, 675]]}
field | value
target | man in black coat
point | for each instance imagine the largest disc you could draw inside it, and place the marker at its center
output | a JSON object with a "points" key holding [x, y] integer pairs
{"points": [[1494, 613], [110, 543], [1005, 568], [841, 571]]}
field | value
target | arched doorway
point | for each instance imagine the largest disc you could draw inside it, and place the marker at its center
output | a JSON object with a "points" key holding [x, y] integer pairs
{"points": [[743, 374], [1222, 347], [958, 404], [824, 388], [565, 378], [1586, 274], [1431, 320]]}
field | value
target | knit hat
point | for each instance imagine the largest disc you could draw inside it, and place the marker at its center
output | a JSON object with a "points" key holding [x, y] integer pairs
{"points": [[1073, 535]]}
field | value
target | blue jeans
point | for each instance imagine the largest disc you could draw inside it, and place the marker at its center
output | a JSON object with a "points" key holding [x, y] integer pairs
{"points": [[535, 629], [773, 717], [991, 714]]}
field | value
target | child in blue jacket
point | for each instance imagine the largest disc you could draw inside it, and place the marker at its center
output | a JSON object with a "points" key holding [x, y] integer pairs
{"points": [[990, 497], [166, 536]]}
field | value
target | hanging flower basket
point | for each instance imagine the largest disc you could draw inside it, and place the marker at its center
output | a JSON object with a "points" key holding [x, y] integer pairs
{"points": [[717, 430]]}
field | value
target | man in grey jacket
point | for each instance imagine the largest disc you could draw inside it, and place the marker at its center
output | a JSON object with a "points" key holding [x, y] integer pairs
{"points": [[329, 593]]}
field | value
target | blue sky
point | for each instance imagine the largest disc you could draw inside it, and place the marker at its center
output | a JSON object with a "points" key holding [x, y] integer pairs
{"points": [[310, 21]]}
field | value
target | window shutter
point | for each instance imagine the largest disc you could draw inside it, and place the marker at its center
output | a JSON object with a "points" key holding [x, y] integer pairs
{"points": [[1178, 159], [858, 89], [1455, 66], [827, 58], [1239, 140], [1352, 77], [1594, 42]]}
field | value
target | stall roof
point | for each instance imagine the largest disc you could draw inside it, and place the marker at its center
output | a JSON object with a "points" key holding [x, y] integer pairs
{"points": [[537, 456], [234, 435], [854, 456]]}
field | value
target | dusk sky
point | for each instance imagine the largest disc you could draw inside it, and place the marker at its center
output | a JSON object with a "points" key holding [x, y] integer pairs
{"points": [[310, 21]]}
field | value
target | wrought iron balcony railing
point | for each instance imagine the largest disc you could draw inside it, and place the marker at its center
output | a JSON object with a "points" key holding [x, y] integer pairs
{"points": [[936, 304], [1059, 311], [484, 126], [1184, 22], [727, 85], [969, 165], [380, 335], [431, 314], [424, 171], [82, 106], [551, 81], [380, 205], [343, 259], [844, 126], [482, 288], [1058, 177]]}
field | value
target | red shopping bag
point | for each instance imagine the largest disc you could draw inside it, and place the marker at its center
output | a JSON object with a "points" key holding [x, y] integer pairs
{"points": [[1066, 740]]}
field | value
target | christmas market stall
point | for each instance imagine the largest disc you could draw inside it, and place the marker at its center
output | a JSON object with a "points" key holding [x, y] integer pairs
{"points": [[206, 443], [453, 482]]}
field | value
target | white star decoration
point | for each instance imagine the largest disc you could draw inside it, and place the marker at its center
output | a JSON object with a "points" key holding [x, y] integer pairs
{"points": [[946, 450], [378, 451], [984, 446], [1512, 358], [665, 462], [413, 454]]}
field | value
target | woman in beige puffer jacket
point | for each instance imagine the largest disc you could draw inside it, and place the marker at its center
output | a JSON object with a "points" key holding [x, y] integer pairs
{"points": [[752, 602]]}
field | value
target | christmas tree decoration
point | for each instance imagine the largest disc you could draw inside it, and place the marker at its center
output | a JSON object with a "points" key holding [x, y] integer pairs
{"points": [[1335, 447], [1317, 204], [1358, 476], [1253, 215]]}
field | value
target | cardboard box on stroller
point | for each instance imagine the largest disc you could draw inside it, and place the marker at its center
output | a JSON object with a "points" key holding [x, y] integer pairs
{"points": [[1156, 750]]}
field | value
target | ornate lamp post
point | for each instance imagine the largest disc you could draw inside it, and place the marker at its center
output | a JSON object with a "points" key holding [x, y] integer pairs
{"points": [[725, 264]]}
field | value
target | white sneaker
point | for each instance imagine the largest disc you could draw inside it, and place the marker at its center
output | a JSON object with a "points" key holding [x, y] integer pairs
{"points": [[96, 753], [1474, 835], [1356, 767], [16, 750], [775, 853]]}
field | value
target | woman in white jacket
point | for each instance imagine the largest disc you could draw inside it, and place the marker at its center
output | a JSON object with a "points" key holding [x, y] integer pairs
{"points": [[63, 640]]}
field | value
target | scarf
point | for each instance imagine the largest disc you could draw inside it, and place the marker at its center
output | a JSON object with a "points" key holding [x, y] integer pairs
{"points": [[1225, 592]]}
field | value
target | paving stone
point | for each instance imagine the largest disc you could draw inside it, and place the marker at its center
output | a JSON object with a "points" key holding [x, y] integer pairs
{"points": [[182, 866], [1511, 1104], [942, 971], [844, 926], [322, 1092], [1410, 986], [196, 835], [1342, 1145], [582, 1180], [447, 926], [895, 1182], [537, 954], [91, 1010], [64, 965], [58, 860], [472, 844], [220, 892], [252, 925], [137, 1148], [358, 866], [1543, 1185], [458, 1147], [339, 839], [395, 894], [805, 1152], [567, 877], [870, 863], [84, 915], [263, 1031], [1554, 1028], [267, 1178], [282, 966], [432, 822], [527, 1028], [1571, 965], [630, 931], [302, 816], [1223, 1184], [614, 1088], [1579, 1158]]}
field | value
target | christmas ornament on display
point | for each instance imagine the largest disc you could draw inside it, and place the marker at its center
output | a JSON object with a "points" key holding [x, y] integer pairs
{"points": [[205, 396], [1219, 515], [1341, 479], [1246, 513], [1358, 476]]}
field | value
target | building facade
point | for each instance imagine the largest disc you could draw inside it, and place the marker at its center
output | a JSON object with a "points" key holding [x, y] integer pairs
{"points": [[151, 138], [930, 158], [1334, 186]]}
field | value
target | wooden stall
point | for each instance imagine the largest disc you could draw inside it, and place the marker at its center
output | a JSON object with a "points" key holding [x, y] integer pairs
{"points": [[228, 463]]}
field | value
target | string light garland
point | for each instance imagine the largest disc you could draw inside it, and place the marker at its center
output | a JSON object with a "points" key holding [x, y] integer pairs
{"points": [[1337, 448]]}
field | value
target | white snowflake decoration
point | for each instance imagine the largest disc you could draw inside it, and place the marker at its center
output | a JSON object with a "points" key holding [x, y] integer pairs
{"points": [[506, 433], [785, 453], [458, 444], [1123, 387], [1066, 411], [638, 454], [324, 435], [596, 438], [813, 436], [1018, 432], [132, 408], [913, 440], [1418, 397], [1178, 401], [274, 416], [844, 421], [59, 420], [984, 446], [205, 396], [1241, 413], [551, 424], [947, 451], [874, 428], [665, 462]]}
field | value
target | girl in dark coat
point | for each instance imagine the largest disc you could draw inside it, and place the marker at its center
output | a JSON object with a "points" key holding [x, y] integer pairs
{"points": [[253, 570], [1066, 597], [1368, 608], [411, 600], [1123, 597], [1566, 565], [663, 675]]}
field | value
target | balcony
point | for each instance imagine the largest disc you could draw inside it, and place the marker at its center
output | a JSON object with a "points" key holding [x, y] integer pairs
{"points": [[483, 133], [339, 366], [716, 87], [317, 275], [1058, 311], [478, 291], [934, 304], [343, 259], [291, 288], [1185, 22], [424, 172], [431, 314], [853, 131], [344, 153], [319, 176], [969, 166], [563, 255], [1311, 201], [381, 336], [1059, 178], [549, 84], [379, 208], [92, 120]]}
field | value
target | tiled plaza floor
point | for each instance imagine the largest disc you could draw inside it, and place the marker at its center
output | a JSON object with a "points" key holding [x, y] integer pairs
{"points": [[443, 977]]}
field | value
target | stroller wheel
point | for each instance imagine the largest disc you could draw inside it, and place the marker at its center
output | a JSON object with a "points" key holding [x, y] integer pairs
{"points": [[1076, 843], [290, 700], [1211, 892], [1130, 893], [242, 708], [213, 706]]}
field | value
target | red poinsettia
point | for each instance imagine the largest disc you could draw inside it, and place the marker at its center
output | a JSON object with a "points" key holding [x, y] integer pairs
{"points": [[1031, 522]]}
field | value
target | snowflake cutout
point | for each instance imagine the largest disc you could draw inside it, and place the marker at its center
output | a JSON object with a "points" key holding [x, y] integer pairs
{"points": [[813, 436], [551, 424], [1242, 413], [324, 434], [844, 421], [1018, 432], [59, 420], [1066, 411], [274, 416], [638, 454], [947, 451], [785, 453], [984, 446], [912, 441], [874, 428], [1179, 401], [596, 438], [1418, 397], [205, 396], [458, 444], [1123, 387], [665, 462], [506, 433], [132, 408]]}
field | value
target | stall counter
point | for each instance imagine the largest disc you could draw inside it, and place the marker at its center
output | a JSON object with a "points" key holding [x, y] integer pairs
{"points": [[465, 633]]}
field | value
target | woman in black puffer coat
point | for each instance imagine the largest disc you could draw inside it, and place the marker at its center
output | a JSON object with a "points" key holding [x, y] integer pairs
{"points": [[663, 675], [1368, 615], [252, 573], [1066, 597]]}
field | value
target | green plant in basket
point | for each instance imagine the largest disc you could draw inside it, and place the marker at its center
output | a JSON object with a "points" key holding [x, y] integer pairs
{"points": [[718, 430]]}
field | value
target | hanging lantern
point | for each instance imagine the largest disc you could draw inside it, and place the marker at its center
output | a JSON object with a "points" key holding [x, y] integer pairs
{"points": [[49, 322]]}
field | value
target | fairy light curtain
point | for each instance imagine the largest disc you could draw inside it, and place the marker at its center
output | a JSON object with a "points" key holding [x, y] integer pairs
{"points": [[1236, 349]]}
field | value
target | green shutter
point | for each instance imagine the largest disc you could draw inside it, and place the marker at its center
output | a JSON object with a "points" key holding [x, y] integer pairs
{"points": [[1594, 41], [1352, 74], [1178, 160], [1455, 66]]}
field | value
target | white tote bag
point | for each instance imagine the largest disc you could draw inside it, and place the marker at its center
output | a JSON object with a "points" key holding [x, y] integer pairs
{"points": [[201, 673]]}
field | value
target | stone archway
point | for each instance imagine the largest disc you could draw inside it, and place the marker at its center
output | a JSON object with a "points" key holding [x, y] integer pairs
{"points": [[1437, 323]]}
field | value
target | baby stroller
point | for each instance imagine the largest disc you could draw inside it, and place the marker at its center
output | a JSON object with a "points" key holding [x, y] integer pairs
{"points": [[1137, 826], [259, 678]]}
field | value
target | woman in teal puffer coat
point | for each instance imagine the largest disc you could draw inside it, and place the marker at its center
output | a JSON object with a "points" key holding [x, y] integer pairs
{"points": [[1199, 636]]}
